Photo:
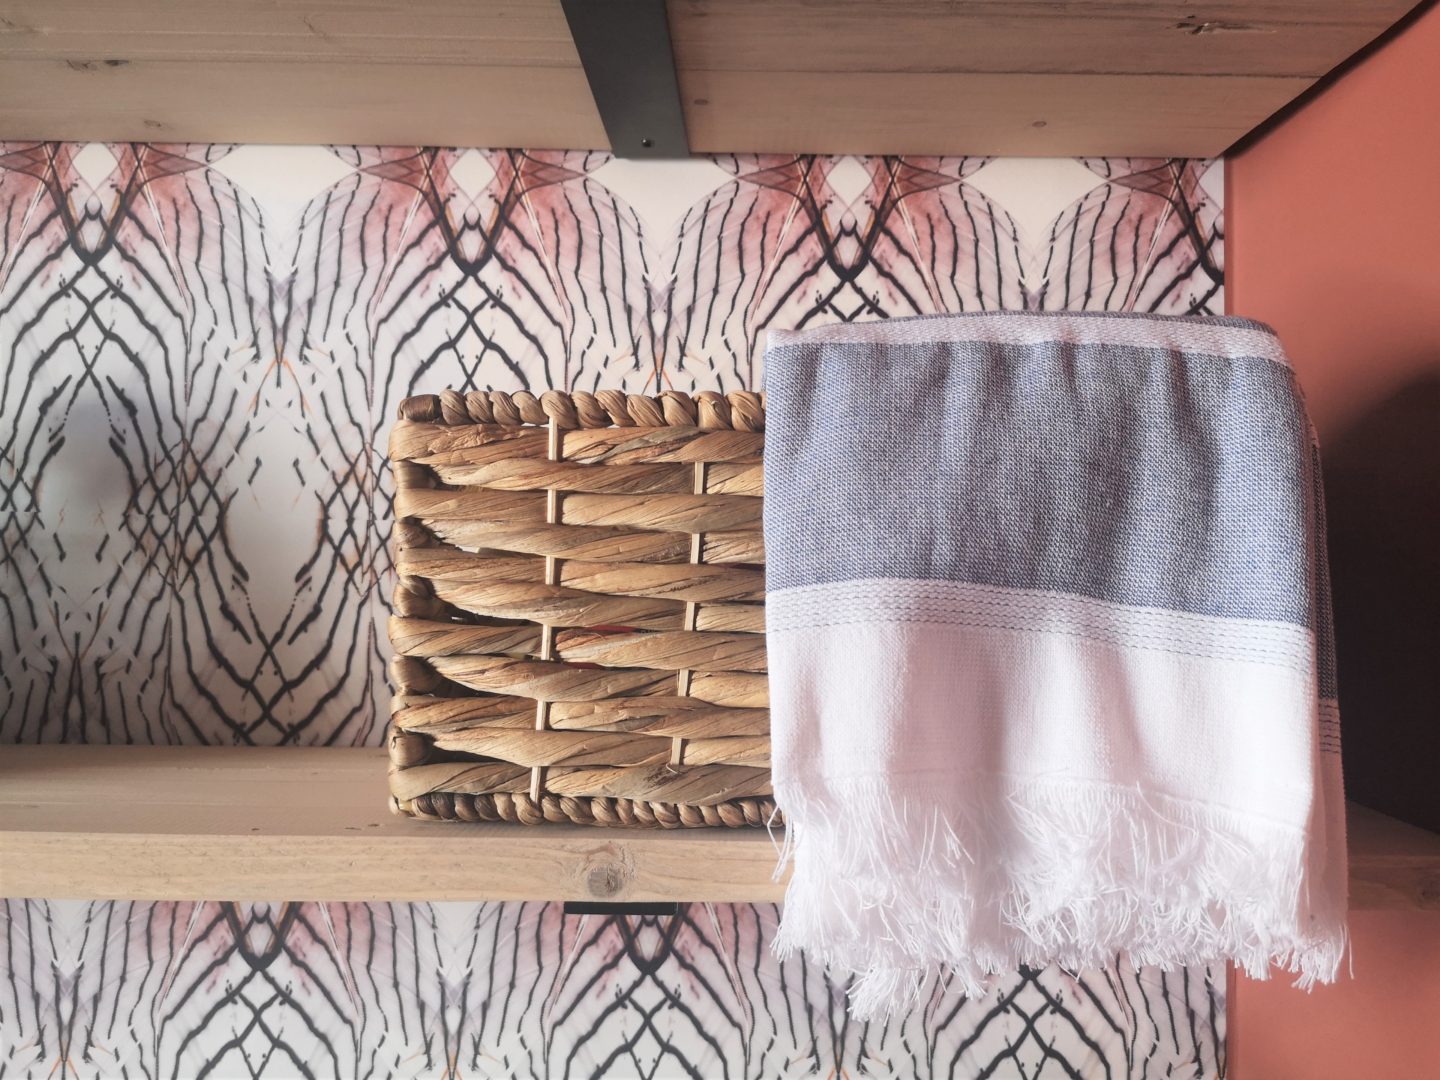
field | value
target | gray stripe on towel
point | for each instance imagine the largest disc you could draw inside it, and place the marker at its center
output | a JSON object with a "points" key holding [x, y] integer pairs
{"points": [[1141, 476]]}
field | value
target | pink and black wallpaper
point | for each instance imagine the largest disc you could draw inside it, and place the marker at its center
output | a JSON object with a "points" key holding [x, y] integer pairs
{"points": [[203, 347]]}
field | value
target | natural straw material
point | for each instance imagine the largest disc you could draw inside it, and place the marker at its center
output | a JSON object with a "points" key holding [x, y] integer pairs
{"points": [[579, 625]]}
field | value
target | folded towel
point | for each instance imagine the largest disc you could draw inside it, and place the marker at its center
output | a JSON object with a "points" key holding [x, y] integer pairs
{"points": [[1051, 666]]}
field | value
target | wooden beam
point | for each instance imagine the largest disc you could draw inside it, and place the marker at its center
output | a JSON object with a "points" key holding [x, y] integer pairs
{"points": [[225, 823], [946, 113], [1393, 865], [482, 33], [1029, 77], [168, 823], [280, 101], [487, 73], [1300, 38]]}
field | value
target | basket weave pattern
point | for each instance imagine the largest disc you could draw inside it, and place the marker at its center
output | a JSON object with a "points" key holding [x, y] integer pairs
{"points": [[579, 616]]}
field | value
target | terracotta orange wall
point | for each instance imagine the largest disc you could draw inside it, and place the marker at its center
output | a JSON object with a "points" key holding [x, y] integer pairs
{"points": [[1333, 229], [1334, 239], [1383, 1024]]}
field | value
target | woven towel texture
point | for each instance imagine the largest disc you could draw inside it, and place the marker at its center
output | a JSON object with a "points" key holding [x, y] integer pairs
{"points": [[1052, 673]]}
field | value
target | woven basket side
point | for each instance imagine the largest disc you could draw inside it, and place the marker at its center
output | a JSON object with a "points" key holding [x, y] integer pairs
{"points": [[578, 619]]}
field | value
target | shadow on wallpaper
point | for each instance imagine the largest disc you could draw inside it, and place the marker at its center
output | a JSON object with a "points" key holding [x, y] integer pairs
{"points": [[204, 348]]}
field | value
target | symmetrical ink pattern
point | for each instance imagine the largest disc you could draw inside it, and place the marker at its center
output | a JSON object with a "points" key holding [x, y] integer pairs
{"points": [[521, 990], [203, 347], [199, 378]]}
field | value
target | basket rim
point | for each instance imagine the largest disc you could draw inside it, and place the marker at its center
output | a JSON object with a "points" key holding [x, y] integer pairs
{"points": [[597, 810], [738, 410]]}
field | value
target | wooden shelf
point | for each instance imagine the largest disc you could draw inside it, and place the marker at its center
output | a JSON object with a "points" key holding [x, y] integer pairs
{"points": [[196, 823], [1393, 865], [217, 823], [1030, 77]]}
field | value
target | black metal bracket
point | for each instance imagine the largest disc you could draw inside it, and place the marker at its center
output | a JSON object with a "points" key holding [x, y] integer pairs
{"points": [[585, 907], [624, 46]]}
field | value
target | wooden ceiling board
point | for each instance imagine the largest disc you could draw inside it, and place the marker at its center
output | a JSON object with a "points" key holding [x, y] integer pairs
{"points": [[1022, 77], [1140, 37], [1021, 115], [1026, 77], [481, 33], [279, 102]]}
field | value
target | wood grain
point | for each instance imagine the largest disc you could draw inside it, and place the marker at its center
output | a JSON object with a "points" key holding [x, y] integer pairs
{"points": [[489, 33], [195, 823], [284, 101], [1393, 865], [1027, 77], [1016, 114], [1093, 37]]}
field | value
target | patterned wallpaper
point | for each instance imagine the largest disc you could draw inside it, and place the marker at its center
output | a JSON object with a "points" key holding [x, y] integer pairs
{"points": [[203, 349]]}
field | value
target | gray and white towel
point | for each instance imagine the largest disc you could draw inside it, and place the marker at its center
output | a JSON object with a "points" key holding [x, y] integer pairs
{"points": [[1051, 667]]}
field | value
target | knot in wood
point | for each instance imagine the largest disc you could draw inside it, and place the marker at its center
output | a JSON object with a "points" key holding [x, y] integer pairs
{"points": [[605, 879]]}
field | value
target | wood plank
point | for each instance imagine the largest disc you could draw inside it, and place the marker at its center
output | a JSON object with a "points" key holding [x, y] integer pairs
{"points": [[1029, 77], [1294, 37], [1223, 37], [1393, 865], [157, 823], [481, 33], [275, 101], [1024, 115], [168, 823]]}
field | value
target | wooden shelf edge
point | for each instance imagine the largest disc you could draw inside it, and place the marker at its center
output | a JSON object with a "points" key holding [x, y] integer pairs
{"points": [[248, 823], [1393, 865], [205, 823]]}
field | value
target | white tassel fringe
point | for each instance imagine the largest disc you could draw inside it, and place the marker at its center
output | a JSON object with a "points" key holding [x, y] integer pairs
{"points": [[898, 891]]}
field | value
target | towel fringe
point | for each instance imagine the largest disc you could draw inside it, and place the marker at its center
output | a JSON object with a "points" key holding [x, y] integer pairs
{"points": [[941, 885]]}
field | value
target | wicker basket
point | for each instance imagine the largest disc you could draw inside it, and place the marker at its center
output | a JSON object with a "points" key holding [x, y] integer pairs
{"points": [[579, 616]]}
